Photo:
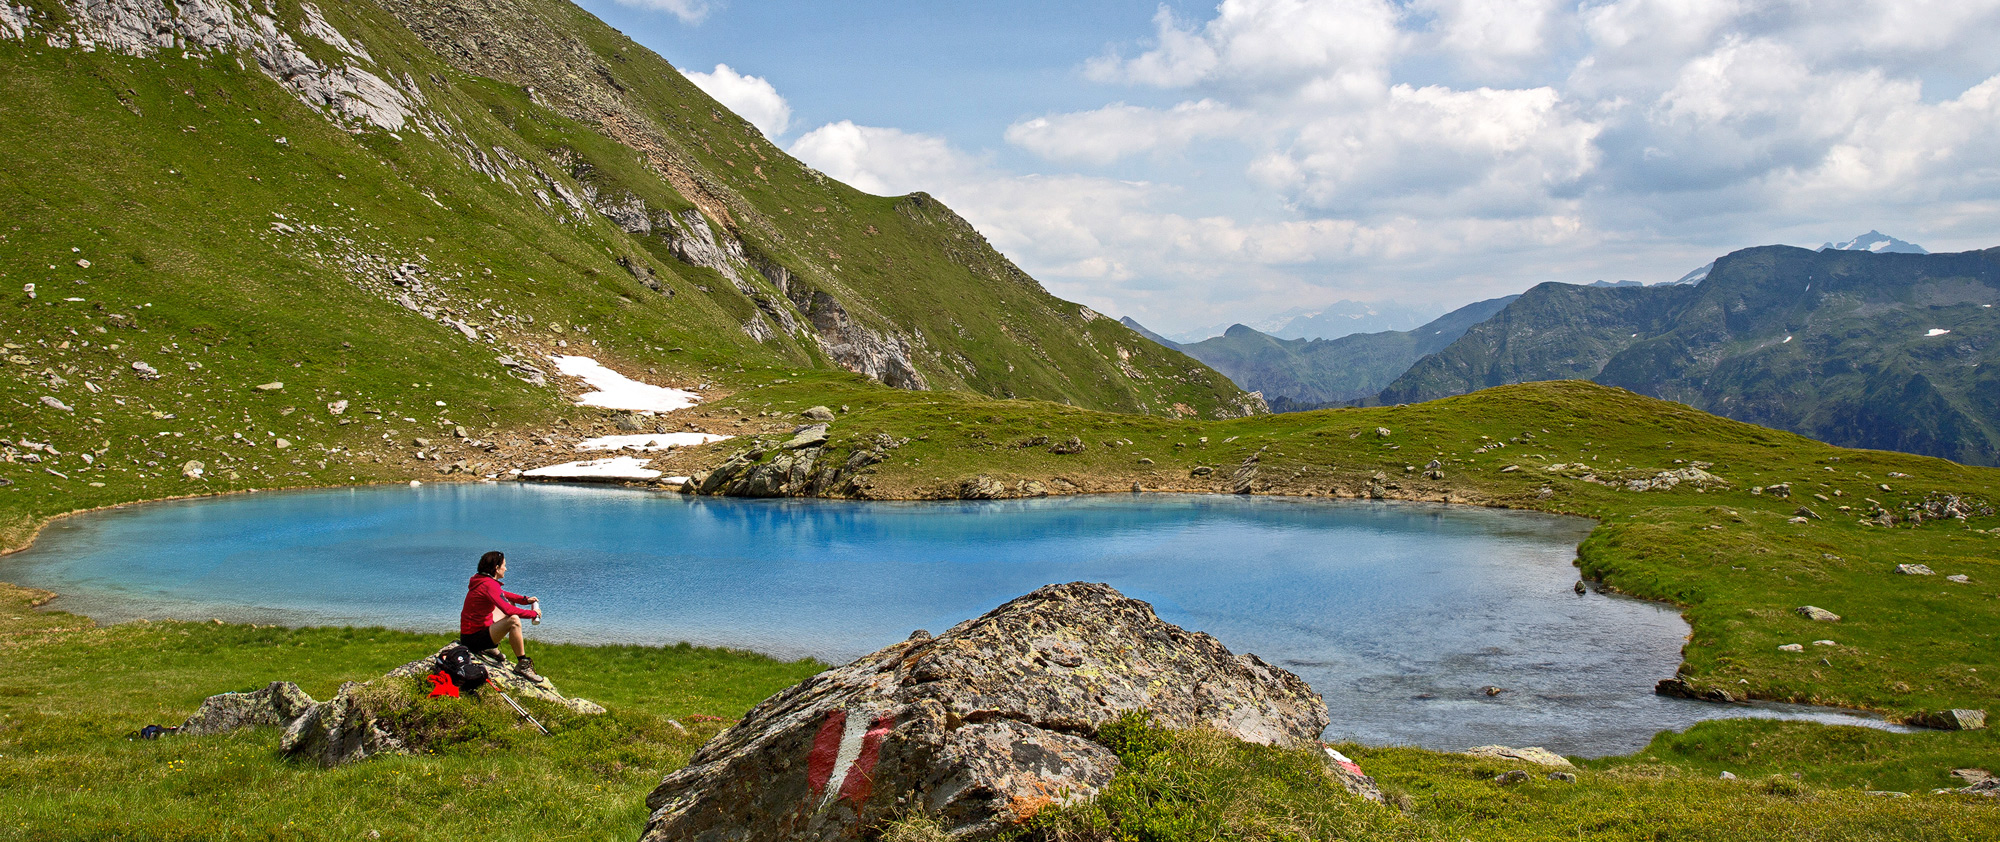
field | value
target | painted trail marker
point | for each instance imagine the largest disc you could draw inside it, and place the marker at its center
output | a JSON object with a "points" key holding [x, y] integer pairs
{"points": [[842, 762]]}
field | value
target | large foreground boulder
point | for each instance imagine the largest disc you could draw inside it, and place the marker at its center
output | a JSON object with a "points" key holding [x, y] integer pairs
{"points": [[981, 726]]}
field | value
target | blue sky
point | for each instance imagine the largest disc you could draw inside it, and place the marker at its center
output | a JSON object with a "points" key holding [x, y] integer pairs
{"points": [[1195, 164]]}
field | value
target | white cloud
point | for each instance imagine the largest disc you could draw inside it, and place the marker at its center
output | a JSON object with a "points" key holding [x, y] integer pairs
{"points": [[1484, 151], [689, 11], [1322, 150], [1116, 131], [1491, 34], [1262, 41], [751, 97]]}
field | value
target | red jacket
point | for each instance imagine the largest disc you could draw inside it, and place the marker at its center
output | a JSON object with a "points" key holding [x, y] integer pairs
{"points": [[482, 595]]}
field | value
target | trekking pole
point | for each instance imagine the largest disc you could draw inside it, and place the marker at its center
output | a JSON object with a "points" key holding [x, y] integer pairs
{"points": [[521, 710]]}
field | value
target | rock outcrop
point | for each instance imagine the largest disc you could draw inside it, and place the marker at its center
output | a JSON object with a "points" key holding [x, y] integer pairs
{"points": [[279, 703], [358, 722], [981, 726]]}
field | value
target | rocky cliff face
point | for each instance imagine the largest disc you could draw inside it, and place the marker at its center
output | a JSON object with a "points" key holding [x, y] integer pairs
{"points": [[981, 726]]}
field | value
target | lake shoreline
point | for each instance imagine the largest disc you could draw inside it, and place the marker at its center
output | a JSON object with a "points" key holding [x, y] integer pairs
{"points": [[1570, 536]]}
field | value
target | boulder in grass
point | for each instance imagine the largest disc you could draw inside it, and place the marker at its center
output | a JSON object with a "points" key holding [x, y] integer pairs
{"points": [[278, 703], [360, 721], [818, 413], [1956, 719], [1814, 612], [1915, 570], [1532, 754], [980, 727]]}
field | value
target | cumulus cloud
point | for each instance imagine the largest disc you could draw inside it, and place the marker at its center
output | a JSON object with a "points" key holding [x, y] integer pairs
{"points": [[751, 97], [1309, 150], [1116, 131], [689, 11]]}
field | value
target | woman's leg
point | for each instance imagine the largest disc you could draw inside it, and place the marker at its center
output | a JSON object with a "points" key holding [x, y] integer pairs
{"points": [[509, 629]]}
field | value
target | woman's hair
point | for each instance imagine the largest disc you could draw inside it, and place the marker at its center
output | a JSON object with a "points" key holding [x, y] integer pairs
{"points": [[490, 562]]}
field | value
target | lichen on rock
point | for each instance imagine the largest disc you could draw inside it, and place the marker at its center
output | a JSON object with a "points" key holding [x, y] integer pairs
{"points": [[981, 726]]}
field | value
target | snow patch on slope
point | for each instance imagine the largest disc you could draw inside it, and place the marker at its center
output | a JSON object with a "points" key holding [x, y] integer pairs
{"points": [[616, 391]]}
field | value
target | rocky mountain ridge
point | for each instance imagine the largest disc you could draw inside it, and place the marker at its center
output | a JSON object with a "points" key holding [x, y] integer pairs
{"points": [[1858, 348]]}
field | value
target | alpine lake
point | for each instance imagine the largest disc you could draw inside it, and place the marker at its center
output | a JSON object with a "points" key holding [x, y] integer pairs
{"points": [[1438, 626]]}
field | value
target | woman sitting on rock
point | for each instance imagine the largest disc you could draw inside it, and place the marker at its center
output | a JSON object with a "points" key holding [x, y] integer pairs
{"points": [[490, 614]]}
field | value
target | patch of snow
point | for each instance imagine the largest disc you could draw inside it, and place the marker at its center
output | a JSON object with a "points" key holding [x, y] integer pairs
{"points": [[1694, 277], [678, 480], [616, 467], [650, 441], [1787, 339], [1877, 242], [1936, 331], [616, 391]]}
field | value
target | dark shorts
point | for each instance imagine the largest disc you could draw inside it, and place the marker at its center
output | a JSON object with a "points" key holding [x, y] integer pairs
{"points": [[478, 641]]}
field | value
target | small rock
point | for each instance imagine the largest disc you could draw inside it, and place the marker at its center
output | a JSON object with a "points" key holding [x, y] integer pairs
{"points": [[1382, 432], [337, 408], [1727, 776], [1562, 777], [1145, 461], [1956, 719], [282, 444], [1797, 520], [1783, 489], [1490, 690], [1511, 777], [1915, 570], [1532, 754], [811, 436], [1807, 512], [146, 372], [1510, 469], [818, 413], [1792, 647], [272, 386], [421, 442], [1813, 612], [193, 469], [1959, 578], [1200, 471], [1824, 643], [1073, 446], [52, 403]]}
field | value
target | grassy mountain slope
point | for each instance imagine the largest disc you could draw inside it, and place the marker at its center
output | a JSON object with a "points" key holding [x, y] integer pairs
{"points": [[1308, 373], [234, 195], [1890, 351]]}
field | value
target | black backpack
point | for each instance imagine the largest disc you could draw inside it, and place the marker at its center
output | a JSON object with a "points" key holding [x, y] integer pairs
{"points": [[466, 672]]}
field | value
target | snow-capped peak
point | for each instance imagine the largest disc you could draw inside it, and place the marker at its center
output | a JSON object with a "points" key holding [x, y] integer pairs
{"points": [[1877, 242]]}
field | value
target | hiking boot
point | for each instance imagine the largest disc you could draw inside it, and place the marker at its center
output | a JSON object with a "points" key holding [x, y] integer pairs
{"points": [[525, 668]]}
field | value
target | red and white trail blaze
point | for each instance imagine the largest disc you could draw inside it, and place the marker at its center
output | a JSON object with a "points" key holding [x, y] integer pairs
{"points": [[842, 762]]}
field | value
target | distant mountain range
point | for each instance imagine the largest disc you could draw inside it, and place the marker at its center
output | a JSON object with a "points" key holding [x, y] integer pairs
{"points": [[1298, 374], [1864, 347], [1874, 342], [1341, 318], [1874, 241]]}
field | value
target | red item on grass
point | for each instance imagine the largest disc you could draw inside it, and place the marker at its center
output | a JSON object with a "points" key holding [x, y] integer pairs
{"points": [[441, 685]]}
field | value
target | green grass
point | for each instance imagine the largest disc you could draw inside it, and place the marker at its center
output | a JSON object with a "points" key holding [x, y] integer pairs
{"points": [[1198, 785], [73, 696]]}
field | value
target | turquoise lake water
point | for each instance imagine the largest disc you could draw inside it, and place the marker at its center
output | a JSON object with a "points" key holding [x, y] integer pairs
{"points": [[1398, 613]]}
